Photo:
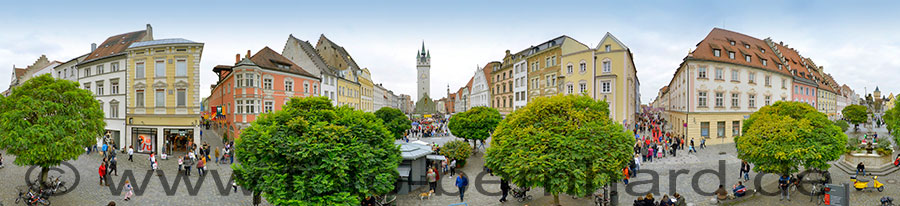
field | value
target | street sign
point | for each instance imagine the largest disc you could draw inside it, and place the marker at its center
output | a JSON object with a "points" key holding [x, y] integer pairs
{"points": [[837, 195]]}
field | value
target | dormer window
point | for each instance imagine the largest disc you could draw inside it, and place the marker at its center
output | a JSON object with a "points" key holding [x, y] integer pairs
{"points": [[764, 62], [283, 66], [607, 48], [779, 66], [731, 55], [762, 50], [717, 52], [746, 46], [731, 42], [747, 57]]}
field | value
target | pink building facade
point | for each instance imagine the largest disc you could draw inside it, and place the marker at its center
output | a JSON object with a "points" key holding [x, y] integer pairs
{"points": [[255, 85]]}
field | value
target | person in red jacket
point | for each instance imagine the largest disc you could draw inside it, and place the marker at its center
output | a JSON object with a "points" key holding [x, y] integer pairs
{"points": [[102, 172]]}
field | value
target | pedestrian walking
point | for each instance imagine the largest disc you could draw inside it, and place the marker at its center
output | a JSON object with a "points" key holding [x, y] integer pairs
{"points": [[650, 154], [201, 166], [627, 176], [504, 189], [745, 170], [180, 164], [462, 182], [130, 153], [102, 172], [129, 189], [217, 155], [188, 162], [432, 179], [452, 167], [112, 166]]}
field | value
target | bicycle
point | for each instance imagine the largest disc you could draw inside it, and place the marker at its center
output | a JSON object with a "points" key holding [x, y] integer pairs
{"points": [[29, 197], [57, 186]]}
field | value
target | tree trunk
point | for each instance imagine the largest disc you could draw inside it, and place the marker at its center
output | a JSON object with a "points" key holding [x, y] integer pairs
{"points": [[475, 147], [43, 178], [555, 199]]}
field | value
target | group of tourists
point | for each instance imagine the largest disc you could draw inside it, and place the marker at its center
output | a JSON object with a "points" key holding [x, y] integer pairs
{"points": [[428, 127], [648, 200]]}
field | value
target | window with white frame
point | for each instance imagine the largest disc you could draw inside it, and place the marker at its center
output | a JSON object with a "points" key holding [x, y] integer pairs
{"points": [[607, 48], [701, 72], [751, 101], [731, 54], [747, 58], [735, 75], [305, 87], [720, 99], [114, 86], [113, 110], [181, 97], [181, 67], [160, 68], [249, 80], [606, 86], [764, 62], [701, 99], [269, 106], [99, 87], [768, 100], [160, 98], [547, 64], [751, 77], [240, 80], [569, 69], [570, 88], [114, 67], [720, 74], [315, 89], [139, 98], [735, 100], [607, 66], [717, 52], [289, 85], [267, 83], [240, 106], [582, 67], [100, 69], [582, 87], [768, 80]]}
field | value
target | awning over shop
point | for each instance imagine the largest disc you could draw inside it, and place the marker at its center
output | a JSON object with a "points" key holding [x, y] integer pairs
{"points": [[404, 171], [436, 157]]}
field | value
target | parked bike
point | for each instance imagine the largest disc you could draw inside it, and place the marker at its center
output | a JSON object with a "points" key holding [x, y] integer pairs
{"points": [[31, 197], [520, 194]]}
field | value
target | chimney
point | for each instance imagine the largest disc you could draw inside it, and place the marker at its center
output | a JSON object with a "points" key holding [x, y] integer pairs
{"points": [[149, 35], [781, 42], [248, 53], [237, 58], [93, 47]]}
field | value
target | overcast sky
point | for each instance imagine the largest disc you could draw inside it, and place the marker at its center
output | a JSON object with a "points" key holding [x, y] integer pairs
{"points": [[856, 42]]}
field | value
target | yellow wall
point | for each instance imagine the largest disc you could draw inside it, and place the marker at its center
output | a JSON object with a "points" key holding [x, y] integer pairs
{"points": [[622, 76], [543, 71], [149, 57], [347, 97], [367, 89], [576, 77], [695, 120]]}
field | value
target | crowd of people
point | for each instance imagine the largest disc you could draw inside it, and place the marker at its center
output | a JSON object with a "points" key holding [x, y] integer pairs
{"points": [[428, 127]]}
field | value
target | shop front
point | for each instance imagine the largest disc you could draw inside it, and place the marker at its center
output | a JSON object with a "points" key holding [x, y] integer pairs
{"points": [[144, 139]]}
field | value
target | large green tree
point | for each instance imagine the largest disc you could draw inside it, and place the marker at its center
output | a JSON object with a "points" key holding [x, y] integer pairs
{"points": [[565, 144], [786, 135], [475, 124], [457, 150], [394, 120], [310, 153], [856, 114], [892, 121], [47, 121]]}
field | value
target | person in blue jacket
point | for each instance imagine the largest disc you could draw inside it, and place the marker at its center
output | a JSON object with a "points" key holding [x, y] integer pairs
{"points": [[462, 181]]}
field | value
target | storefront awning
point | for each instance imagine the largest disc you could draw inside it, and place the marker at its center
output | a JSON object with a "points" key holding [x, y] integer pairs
{"points": [[436, 157], [404, 171]]}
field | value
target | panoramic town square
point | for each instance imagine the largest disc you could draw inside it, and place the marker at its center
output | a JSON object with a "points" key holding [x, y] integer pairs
{"points": [[530, 103]]}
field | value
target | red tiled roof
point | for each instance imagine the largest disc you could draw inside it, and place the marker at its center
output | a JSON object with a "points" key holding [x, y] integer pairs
{"points": [[115, 44], [269, 59], [721, 39]]}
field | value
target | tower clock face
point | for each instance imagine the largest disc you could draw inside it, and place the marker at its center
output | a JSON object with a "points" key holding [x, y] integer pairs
{"points": [[423, 76]]}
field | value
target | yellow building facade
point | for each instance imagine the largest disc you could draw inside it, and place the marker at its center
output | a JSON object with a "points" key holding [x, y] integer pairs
{"points": [[366, 91], [615, 79], [163, 103], [348, 90], [578, 72]]}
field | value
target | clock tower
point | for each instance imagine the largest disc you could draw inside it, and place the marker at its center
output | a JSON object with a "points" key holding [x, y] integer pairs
{"points": [[423, 75]]}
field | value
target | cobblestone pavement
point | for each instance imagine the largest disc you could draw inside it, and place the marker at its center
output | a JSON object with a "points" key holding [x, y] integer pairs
{"points": [[88, 192]]}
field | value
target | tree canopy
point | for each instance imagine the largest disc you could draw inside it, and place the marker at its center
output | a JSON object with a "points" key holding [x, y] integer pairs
{"points": [[456, 149], [475, 124], [47, 121], [310, 153], [892, 121], [394, 120], [565, 144], [781, 137], [856, 114]]}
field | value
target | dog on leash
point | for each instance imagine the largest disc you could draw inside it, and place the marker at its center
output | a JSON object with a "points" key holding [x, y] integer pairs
{"points": [[426, 195]]}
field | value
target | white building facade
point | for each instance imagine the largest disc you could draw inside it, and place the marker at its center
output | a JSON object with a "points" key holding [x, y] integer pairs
{"points": [[480, 95], [520, 88], [305, 55]]}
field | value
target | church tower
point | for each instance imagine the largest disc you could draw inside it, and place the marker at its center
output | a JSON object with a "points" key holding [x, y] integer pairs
{"points": [[423, 67]]}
